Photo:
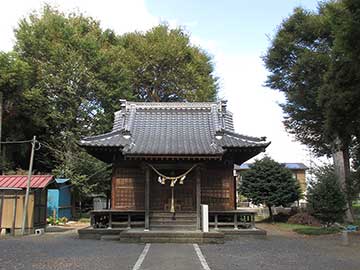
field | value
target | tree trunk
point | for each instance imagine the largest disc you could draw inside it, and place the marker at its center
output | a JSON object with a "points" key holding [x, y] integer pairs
{"points": [[271, 214], [341, 161]]}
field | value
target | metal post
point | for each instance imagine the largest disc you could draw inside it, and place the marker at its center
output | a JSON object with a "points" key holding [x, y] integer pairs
{"points": [[28, 185], [198, 198], [147, 198]]}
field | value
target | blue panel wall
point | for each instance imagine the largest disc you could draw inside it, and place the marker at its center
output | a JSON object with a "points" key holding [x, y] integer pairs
{"points": [[52, 201], [60, 200]]}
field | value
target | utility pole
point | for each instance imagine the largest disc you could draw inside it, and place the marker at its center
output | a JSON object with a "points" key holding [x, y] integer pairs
{"points": [[28, 185]]}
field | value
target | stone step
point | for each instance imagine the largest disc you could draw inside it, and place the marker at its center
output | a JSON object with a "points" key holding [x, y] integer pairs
{"points": [[170, 215], [173, 222], [110, 237], [176, 234], [180, 240], [171, 237], [173, 227], [162, 219]]}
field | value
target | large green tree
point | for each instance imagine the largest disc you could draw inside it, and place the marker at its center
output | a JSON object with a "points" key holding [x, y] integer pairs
{"points": [[310, 60], [14, 78], [66, 76], [270, 183], [162, 65]]}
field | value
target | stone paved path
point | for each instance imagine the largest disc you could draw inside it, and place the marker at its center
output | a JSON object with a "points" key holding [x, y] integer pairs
{"points": [[171, 256]]}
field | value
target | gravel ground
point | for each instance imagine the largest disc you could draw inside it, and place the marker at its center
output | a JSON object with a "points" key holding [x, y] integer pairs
{"points": [[282, 252], [277, 251], [66, 251]]}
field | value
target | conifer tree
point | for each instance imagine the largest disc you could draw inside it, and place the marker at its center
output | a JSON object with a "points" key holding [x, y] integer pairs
{"points": [[270, 183], [325, 199]]}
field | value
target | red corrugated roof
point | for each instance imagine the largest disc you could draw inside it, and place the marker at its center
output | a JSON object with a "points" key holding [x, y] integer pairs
{"points": [[19, 181]]}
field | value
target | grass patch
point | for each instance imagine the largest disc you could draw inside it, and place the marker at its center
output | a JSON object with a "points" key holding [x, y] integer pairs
{"points": [[289, 226], [317, 230], [308, 230]]}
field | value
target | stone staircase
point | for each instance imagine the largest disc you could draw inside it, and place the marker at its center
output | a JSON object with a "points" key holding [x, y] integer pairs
{"points": [[180, 221]]}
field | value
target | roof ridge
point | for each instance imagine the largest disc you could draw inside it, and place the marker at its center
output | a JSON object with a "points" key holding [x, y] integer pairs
{"points": [[105, 135], [171, 104], [24, 175], [245, 137]]}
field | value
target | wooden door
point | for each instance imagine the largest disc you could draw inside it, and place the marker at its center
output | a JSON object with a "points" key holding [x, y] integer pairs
{"points": [[184, 195]]}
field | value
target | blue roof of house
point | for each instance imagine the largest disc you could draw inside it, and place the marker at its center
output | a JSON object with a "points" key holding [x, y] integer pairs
{"points": [[291, 166], [61, 180]]}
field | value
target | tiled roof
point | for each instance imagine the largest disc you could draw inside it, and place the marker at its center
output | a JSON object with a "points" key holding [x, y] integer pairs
{"points": [[291, 166], [173, 129], [20, 181]]}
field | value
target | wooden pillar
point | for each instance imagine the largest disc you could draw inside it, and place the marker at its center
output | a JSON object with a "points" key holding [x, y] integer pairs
{"points": [[216, 221], [198, 198], [110, 220], [147, 198], [252, 221], [14, 214], [236, 221], [1, 209], [129, 221], [92, 219]]}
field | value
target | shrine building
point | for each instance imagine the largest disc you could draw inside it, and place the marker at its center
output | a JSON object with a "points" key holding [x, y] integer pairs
{"points": [[168, 159]]}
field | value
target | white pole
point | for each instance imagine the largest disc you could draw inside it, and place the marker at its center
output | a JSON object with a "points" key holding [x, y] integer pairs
{"points": [[28, 186]]}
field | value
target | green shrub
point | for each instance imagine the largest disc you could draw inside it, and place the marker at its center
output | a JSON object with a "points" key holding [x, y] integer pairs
{"points": [[326, 201], [63, 220], [50, 220], [317, 230]]}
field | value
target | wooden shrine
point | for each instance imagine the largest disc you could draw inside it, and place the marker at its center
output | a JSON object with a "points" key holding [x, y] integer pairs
{"points": [[168, 159]]}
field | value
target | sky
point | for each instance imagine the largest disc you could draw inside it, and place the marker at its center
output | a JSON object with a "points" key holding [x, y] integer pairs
{"points": [[236, 33]]}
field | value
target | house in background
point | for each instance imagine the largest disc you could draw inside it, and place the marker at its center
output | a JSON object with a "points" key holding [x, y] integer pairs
{"points": [[59, 199], [298, 172], [12, 198]]}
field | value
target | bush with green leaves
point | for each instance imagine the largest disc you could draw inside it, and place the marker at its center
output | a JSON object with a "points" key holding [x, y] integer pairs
{"points": [[326, 201]]}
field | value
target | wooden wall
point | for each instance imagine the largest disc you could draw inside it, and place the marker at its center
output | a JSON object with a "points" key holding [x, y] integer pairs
{"points": [[8, 208], [40, 208], [128, 188], [218, 187]]}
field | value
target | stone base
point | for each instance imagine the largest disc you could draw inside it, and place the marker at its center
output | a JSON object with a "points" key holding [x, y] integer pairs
{"points": [[171, 237], [165, 236]]}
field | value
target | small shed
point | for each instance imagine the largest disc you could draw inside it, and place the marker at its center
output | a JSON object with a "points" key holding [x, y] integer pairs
{"points": [[59, 199], [12, 199]]}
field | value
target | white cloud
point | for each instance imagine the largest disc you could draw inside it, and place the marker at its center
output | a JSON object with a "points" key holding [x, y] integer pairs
{"points": [[255, 107], [121, 16]]}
